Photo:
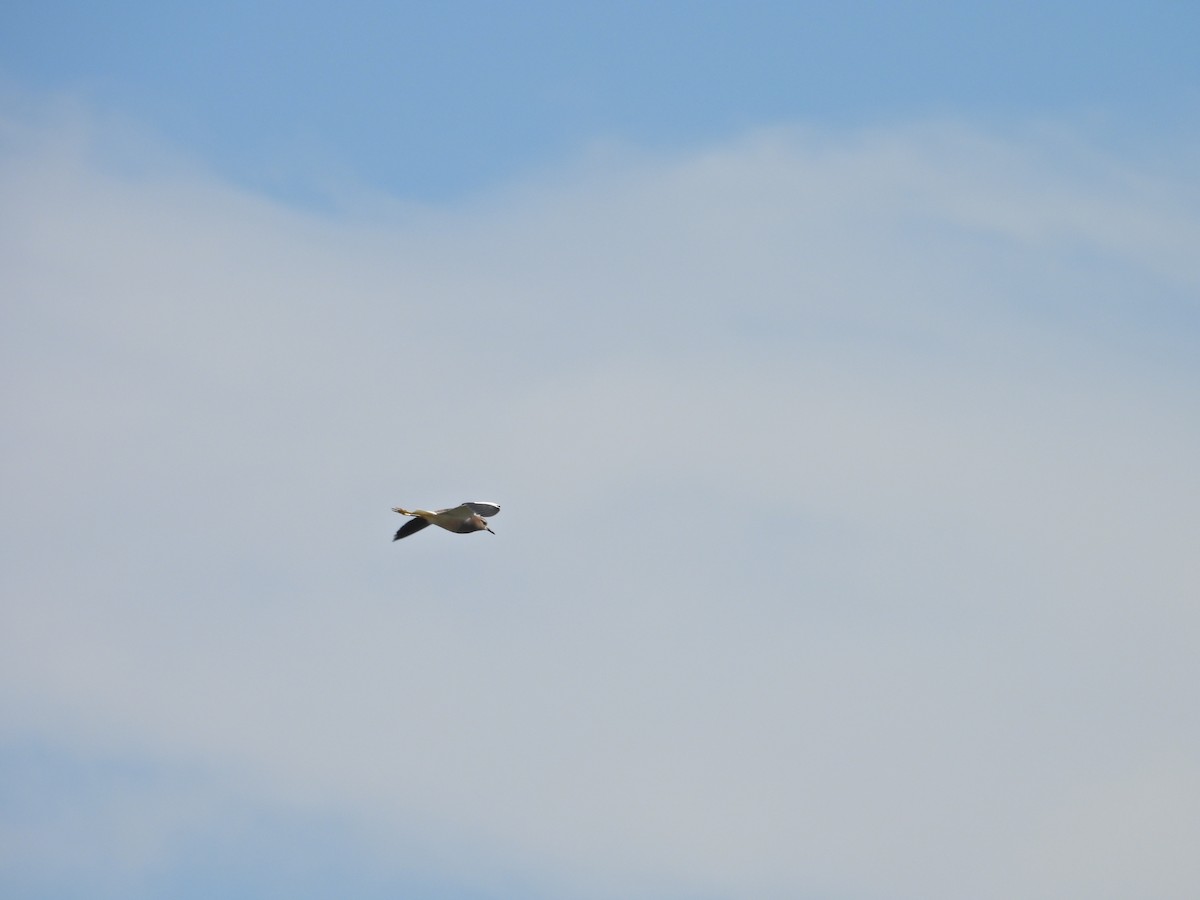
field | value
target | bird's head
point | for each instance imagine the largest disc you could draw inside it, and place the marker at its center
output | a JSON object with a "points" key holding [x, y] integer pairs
{"points": [[480, 523]]}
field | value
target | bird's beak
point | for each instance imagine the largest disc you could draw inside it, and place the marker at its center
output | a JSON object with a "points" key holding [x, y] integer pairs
{"points": [[490, 531]]}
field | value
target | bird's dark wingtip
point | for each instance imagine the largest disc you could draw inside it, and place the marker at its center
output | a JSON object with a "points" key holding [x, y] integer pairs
{"points": [[412, 526]]}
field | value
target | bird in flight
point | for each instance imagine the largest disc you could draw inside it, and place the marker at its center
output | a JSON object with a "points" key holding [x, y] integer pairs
{"points": [[461, 519]]}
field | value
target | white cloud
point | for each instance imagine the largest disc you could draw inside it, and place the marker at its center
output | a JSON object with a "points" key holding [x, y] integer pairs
{"points": [[849, 488]]}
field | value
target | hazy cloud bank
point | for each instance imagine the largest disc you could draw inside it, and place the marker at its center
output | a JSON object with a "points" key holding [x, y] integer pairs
{"points": [[849, 534]]}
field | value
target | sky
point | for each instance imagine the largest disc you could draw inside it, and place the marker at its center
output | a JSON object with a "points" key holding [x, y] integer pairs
{"points": [[835, 366]]}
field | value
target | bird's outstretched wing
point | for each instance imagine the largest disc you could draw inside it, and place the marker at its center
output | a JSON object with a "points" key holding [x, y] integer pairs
{"points": [[412, 526], [484, 509]]}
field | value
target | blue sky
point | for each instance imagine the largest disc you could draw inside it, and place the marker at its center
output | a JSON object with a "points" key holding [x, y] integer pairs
{"points": [[437, 100], [835, 367]]}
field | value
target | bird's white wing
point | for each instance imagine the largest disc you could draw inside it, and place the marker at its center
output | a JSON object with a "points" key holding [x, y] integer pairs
{"points": [[484, 509]]}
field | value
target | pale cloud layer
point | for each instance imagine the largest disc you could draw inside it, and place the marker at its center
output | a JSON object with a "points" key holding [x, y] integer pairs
{"points": [[849, 532]]}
